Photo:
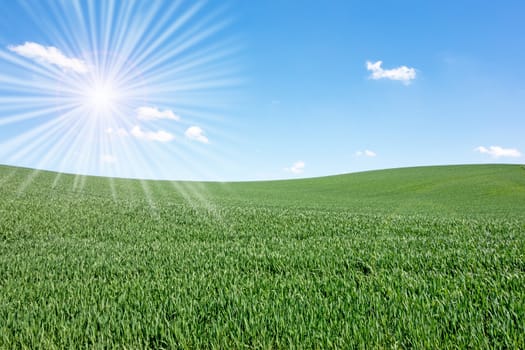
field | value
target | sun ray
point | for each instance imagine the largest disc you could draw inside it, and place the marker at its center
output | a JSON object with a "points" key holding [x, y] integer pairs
{"points": [[179, 22], [32, 137], [32, 114], [27, 182], [189, 39], [107, 22], [47, 71], [85, 121]]}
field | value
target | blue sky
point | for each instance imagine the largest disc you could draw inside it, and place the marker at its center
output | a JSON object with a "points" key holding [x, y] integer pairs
{"points": [[249, 90]]}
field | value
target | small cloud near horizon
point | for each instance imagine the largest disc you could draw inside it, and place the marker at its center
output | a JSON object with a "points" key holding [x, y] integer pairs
{"points": [[402, 73], [497, 151], [296, 168], [159, 136], [365, 153], [51, 55]]}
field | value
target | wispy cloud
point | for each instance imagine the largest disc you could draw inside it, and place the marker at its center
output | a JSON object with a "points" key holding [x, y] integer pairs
{"points": [[296, 168], [196, 133], [365, 153], [108, 158], [51, 55], [403, 73], [153, 113], [497, 151], [160, 136]]}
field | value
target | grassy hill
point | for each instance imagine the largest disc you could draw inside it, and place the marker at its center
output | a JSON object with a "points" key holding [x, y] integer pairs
{"points": [[465, 189], [493, 190], [429, 257]]}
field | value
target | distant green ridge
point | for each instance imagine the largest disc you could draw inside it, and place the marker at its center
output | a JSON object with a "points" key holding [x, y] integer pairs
{"points": [[493, 189]]}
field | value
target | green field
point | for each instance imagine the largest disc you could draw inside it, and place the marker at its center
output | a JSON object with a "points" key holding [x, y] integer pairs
{"points": [[429, 257]]}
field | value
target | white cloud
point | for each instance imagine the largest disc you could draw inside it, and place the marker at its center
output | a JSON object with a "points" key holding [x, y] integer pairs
{"points": [[497, 151], [403, 73], [296, 168], [153, 113], [137, 132], [196, 133], [108, 158], [160, 136], [365, 153], [51, 55]]}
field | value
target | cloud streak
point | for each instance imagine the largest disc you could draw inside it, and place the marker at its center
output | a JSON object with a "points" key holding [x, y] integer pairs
{"points": [[497, 151], [195, 133], [296, 168], [152, 113], [50, 55], [403, 73], [159, 136], [365, 153]]}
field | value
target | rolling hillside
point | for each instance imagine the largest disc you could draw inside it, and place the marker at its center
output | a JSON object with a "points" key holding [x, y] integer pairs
{"points": [[494, 190], [468, 189], [430, 257]]}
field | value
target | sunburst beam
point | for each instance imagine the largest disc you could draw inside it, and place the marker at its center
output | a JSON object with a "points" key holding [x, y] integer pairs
{"points": [[71, 95]]}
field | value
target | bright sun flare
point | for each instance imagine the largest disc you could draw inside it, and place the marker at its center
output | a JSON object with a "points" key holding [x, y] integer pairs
{"points": [[112, 93], [101, 96]]}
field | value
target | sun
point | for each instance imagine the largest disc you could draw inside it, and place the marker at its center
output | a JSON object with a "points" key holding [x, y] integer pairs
{"points": [[112, 85], [101, 96]]}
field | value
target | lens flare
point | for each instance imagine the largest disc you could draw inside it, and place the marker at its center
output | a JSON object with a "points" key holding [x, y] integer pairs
{"points": [[102, 96], [112, 88]]}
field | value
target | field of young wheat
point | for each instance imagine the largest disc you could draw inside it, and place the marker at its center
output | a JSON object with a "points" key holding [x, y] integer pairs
{"points": [[422, 257]]}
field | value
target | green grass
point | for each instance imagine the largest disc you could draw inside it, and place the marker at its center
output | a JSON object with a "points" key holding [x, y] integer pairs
{"points": [[430, 257]]}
